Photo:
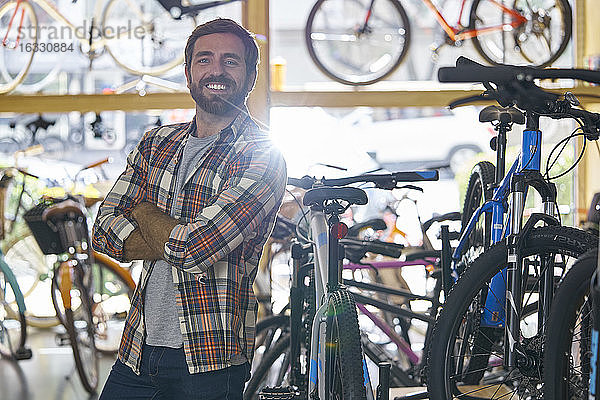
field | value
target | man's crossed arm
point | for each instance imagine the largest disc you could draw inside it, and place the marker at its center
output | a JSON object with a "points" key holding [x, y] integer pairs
{"points": [[147, 242]]}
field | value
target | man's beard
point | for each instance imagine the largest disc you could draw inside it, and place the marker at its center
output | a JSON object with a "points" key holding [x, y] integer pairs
{"points": [[215, 104]]}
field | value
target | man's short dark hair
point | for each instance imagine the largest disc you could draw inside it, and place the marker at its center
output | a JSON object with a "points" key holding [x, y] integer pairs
{"points": [[224, 25]]}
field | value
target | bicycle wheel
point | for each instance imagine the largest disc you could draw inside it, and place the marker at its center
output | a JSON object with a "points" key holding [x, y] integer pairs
{"points": [[17, 45], [352, 51], [478, 192], [344, 373], [143, 38], [13, 328], [567, 367], [539, 40], [32, 270], [460, 338], [75, 309], [113, 289]]}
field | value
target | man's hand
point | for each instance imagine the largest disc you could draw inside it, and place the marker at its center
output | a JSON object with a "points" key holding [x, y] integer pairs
{"points": [[155, 226], [136, 248]]}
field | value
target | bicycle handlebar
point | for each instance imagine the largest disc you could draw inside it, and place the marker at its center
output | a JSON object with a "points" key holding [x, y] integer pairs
{"points": [[381, 181], [467, 70]]}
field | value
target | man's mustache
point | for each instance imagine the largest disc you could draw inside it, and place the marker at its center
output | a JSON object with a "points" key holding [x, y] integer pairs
{"points": [[218, 79]]}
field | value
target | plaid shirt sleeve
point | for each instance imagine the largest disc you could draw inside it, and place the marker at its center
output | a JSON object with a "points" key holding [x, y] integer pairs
{"points": [[113, 224], [255, 187]]}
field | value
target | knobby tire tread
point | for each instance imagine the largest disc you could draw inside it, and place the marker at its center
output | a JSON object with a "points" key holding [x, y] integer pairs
{"points": [[570, 241]]}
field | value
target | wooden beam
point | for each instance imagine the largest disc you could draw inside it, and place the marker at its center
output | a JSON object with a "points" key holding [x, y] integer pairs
{"points": [[404, 95]]}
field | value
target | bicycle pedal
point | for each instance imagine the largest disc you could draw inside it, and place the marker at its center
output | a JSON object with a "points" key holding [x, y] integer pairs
{"points": [[280, 393], [23, 353]]}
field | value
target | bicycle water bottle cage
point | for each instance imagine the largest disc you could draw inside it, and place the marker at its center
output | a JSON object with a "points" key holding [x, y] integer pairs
{"points": [[320, 196], [504, 115]]}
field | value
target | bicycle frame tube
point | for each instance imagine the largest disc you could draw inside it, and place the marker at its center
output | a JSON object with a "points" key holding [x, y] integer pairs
{"points": [[12, 281], [391, 334], [319, 232], [11, 22]]}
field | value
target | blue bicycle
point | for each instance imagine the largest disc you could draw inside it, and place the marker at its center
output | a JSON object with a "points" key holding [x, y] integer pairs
{"points": [[488, 341]]}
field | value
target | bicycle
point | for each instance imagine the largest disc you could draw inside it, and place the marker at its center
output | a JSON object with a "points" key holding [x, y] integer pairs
{"points": [[571, 369], [98, 129], [142, 37], [27, 135], [34, 256], [13, 325], [275, 340], [333, 328], [360, 42], [60, 227], [489, 337]]}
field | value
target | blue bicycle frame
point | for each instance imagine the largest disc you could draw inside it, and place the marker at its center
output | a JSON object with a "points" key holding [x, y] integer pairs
{"points": [[529, 159]]}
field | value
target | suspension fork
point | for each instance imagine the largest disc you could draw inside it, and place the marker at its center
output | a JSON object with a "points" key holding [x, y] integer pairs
{"points": [[514, 273]]}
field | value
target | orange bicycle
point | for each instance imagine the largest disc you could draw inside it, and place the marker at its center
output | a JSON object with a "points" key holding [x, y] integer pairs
{"points": [[359, 42]]}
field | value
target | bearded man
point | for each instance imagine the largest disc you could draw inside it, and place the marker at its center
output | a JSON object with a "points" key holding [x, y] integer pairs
{"points": [[196, 202]]}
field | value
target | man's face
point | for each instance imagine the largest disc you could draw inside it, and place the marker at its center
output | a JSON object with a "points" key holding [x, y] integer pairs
{"points": [[217, 76]]}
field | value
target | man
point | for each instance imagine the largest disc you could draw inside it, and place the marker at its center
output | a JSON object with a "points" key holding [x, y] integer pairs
{"points": [[197, 202]]}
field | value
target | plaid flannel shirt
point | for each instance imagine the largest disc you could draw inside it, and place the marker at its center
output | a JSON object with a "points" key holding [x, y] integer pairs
{"points": [[227, 210]]}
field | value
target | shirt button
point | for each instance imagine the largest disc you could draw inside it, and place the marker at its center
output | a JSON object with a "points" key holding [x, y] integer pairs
{"points": [[202, 279]]}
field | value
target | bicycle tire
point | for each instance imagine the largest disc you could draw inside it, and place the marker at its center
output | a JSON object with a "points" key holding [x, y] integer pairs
{"points": [[13, 326], [81, 339], [359, 45], [478, 192], [124, 51], [344, 373], [8, 81], [463, 307], [568, 330], [524, 45]]}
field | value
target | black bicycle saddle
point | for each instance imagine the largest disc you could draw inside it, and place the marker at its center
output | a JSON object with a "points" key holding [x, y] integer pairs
{"points": [[502, 114], [319, 195]]}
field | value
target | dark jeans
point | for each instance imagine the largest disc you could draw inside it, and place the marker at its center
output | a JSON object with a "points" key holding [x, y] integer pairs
{"points": [[164, 375]]}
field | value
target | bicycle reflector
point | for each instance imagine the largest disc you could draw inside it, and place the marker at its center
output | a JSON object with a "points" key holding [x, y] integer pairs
{"points": [[339, 229]]}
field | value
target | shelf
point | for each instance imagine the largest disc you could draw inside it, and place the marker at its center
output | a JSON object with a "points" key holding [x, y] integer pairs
{"points": [[403, 94]]}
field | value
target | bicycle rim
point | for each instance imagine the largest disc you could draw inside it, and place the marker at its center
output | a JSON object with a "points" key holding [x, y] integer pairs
{"points": [[459, 365], [152, 43], [538, 41], [349, 51], [16, 46]]}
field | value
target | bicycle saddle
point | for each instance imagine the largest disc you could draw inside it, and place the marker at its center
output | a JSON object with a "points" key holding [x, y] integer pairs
{"points": [[64, 208], [318, 196], [501, 114]]}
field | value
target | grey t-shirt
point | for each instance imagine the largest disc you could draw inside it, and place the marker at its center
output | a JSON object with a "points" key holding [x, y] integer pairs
{"points": [[160, 307]]}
